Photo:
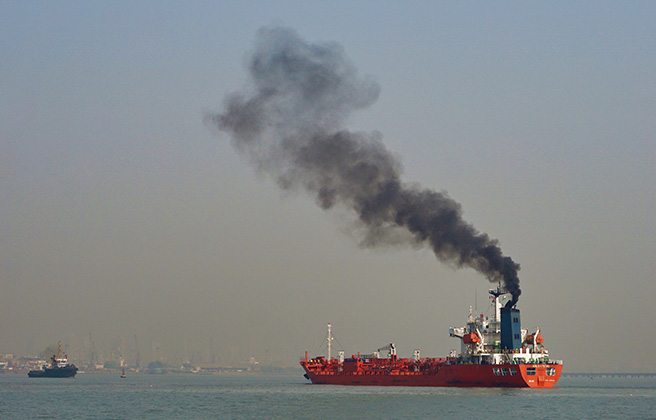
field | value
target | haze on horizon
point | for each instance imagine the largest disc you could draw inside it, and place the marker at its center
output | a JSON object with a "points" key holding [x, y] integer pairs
{"points": [[122, 213]]}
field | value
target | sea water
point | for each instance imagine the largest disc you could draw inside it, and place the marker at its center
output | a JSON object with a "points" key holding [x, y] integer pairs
{"points": [[286, 396]]}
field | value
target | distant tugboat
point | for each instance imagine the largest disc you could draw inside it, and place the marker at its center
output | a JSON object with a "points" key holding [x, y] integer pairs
{"points": [[59, 367]]}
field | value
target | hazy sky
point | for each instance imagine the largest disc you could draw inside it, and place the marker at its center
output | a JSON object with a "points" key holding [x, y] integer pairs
{"points": [[122, 213]]}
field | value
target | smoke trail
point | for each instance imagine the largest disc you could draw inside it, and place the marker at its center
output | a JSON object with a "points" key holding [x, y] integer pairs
{"points": [[290, 126]]}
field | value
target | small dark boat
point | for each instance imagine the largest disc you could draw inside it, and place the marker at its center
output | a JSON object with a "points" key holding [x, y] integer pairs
{"points": [[59, 368]]}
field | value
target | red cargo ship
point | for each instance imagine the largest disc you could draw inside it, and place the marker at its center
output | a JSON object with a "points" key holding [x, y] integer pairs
{"points": [[495, 352]]}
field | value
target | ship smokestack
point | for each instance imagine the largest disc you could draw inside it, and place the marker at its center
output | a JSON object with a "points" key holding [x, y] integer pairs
{"points": [[290, 125], [511, 328]]}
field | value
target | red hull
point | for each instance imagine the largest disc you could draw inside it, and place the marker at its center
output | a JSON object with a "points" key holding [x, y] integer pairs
{"points": [[463, 375]]}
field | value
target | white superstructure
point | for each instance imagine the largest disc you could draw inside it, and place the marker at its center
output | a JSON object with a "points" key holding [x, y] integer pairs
{"points": [[480, 338]]}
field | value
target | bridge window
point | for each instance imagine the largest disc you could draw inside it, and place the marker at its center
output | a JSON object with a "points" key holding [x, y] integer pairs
{"points": [[513, 371], [530, 371], [504, 371], [551, 371], [496, 371]]}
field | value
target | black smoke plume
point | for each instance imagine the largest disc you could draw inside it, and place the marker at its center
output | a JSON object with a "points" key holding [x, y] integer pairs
{"points": [[289, 125]]}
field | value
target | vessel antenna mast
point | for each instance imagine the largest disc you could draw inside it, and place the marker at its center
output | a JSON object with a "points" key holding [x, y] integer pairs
{"points": [[330, 339]]}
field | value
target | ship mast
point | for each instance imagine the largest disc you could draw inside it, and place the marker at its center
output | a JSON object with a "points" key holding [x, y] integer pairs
{"points": [[330, 339], [495, 303]]}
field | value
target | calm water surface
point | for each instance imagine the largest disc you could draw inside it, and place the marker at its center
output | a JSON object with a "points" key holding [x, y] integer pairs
{"points": [[262, 396]]}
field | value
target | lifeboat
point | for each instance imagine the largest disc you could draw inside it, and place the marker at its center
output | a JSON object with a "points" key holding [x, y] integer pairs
{"points": [[534, 339]]}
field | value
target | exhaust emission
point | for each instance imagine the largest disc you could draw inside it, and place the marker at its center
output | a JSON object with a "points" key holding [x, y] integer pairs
{"points": [[289, 124]]}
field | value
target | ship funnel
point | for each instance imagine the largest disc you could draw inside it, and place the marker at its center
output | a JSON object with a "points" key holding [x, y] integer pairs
{"points": [[511, 303], [511, 329]]}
